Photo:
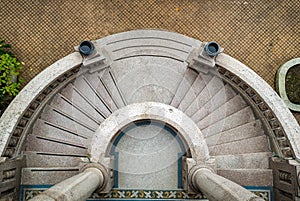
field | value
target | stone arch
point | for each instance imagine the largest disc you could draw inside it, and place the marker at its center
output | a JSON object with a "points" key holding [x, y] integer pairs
{"points": [[189, 132]]}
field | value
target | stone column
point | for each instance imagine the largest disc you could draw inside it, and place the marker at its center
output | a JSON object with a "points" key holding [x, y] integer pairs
{"points": [[217, 188], [76, 188]]}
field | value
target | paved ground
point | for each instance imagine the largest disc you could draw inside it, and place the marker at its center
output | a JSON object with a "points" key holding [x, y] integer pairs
{"points": [[263, 34]]}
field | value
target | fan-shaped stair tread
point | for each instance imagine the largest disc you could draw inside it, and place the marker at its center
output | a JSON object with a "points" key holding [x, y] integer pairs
{"points": [[198, 85], [251, 145], [237, 119], [209, 91], [48, 159], [84, 87], [187, 81], [78, 95], [68, 121], [232, 106], [245, 131], [48, 129], [74, 97], [248, 177], [66, 106], [243, 161], [148, 80], [46, 176], [224, 95], [94, 80], [109, 82], [54, 145]]}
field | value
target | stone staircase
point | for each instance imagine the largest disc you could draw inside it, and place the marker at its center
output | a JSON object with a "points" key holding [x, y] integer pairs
{"points": [[148, 68]]}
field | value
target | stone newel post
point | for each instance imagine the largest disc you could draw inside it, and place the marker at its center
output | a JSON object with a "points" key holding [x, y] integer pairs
{"points": [[217, 188], [78, 187]]}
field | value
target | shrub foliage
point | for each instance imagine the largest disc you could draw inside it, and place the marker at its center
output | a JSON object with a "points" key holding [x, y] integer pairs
{"points": [[10, 82]]}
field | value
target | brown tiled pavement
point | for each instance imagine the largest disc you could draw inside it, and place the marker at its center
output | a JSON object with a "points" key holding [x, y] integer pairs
{"points": [[262, 34]]}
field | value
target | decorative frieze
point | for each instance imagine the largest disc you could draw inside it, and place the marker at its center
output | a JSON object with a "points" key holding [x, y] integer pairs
{"points": [[128, 194]]}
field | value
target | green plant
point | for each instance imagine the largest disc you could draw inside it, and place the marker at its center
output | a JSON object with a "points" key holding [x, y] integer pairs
{"points": [[4, 47], [9, 71], [10, 81]]}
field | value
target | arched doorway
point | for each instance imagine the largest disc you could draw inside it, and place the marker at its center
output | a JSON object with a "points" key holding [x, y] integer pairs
{"points": [[148, 155]]}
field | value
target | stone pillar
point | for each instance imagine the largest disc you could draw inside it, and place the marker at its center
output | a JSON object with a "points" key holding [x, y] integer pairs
{"points": [[217, 188], [76, 188]]}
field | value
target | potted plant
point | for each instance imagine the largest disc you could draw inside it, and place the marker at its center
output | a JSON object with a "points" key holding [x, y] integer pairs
{"points": [[10, 82]]}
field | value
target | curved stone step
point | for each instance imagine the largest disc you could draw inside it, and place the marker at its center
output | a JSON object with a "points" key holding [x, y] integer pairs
{"points": [[79, 101], [83, 86], [49, 159], [224, 95], [248, 177], [198, 85], [245, 131], [243, 161], [54, 145], [99, 108], [239, 118], [52, 130], [94, 80], [136, 50], [68, 121], [155, 41], [250, 145], [230, 107], [187, 81], [109, 82], [209, 91], [47, 176], [66, 106]]}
